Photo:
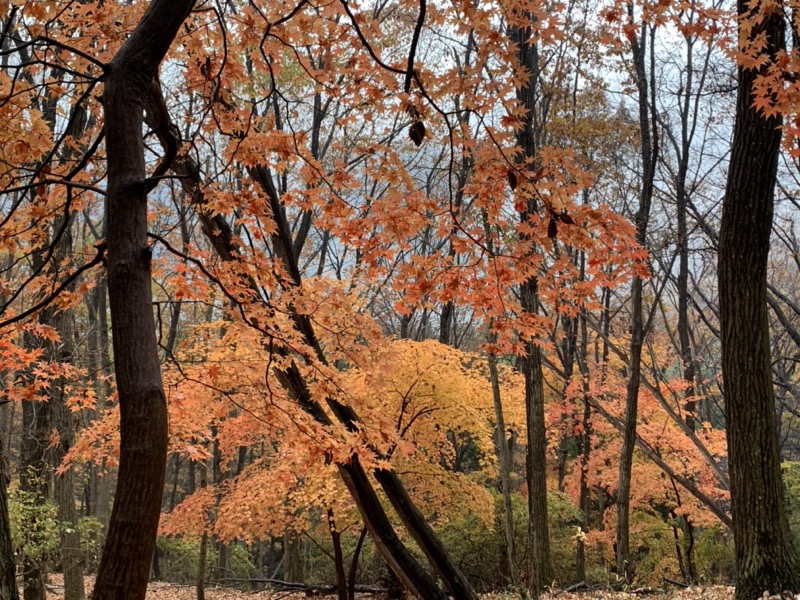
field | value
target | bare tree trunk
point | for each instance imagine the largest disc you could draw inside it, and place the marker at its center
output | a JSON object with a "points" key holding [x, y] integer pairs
{"points": [[338, 557], [649, 152], [351, 588], [766, 558], [8, 579], [33, 478], [200, 582], [504, 462], [125, 564], [585, 445]]}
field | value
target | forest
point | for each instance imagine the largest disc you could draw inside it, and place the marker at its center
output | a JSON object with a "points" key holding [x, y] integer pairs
{"points": [[444, 298]]}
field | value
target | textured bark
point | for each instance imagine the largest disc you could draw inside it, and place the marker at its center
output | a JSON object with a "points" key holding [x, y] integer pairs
{"points": [[528, 139], [8, 581], [541, 571], [766, 559], [125, 564], [72, 558], [33, 478]]}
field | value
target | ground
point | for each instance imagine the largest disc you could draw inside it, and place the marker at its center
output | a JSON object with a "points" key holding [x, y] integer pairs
{"points": [[168, 591]]}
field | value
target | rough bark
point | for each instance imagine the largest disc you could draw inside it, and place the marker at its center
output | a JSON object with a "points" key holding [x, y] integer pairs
{"points": [[8, 580], [125, 564], [766, 559], [540, 568], [33, 478]]}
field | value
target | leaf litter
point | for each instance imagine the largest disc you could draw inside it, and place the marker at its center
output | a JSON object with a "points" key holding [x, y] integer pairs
{"points": [[172, 591]]}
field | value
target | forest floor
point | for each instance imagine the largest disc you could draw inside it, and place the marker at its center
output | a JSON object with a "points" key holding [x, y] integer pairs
{"points": [[171, 591]]}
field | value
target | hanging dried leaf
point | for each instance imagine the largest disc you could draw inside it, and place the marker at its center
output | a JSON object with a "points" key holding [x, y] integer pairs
{"points": [[566, 219], [513, 182], [417, 133], [552, 228]]}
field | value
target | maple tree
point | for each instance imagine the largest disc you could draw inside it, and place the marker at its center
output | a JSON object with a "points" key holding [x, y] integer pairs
{"points": [[322, 176]]}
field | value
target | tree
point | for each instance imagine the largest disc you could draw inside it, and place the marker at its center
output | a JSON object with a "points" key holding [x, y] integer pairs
{"points": [[649, 153], [766, 558], [8, 571], [529, 139], [125, 564]]}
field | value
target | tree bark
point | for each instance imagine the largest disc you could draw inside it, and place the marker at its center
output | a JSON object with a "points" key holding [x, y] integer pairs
{"points": [[33, 478], [8, 580], [125, 564], [540, 568], [766, 559], [649, 152]]}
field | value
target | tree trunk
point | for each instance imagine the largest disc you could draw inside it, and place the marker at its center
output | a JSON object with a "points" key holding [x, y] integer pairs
{"points": [[125, 564], [541, 571], [8, 580], [766, 559], [351, 588], [338, 557], [33, 478], [585, 446], [649, 152], [200, 581], [504, 461]]}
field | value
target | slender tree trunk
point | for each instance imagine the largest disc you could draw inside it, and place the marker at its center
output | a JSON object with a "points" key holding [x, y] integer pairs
{"points": [[338, 557], [8, 579], [585, 445], [504, 462], [200, 581], [33, 478], [351, 588], [72, 559], [125, 564], [766, 558], [649, 153]]}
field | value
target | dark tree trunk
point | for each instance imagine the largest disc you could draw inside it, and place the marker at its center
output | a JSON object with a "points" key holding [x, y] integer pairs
{"points": [[8, 580], [649, 153], [200, 581], [528, 139], [125, 564], [541, 573], [33, 478], [584, 445], [351, 588], [338, 557], [766, 559]]}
